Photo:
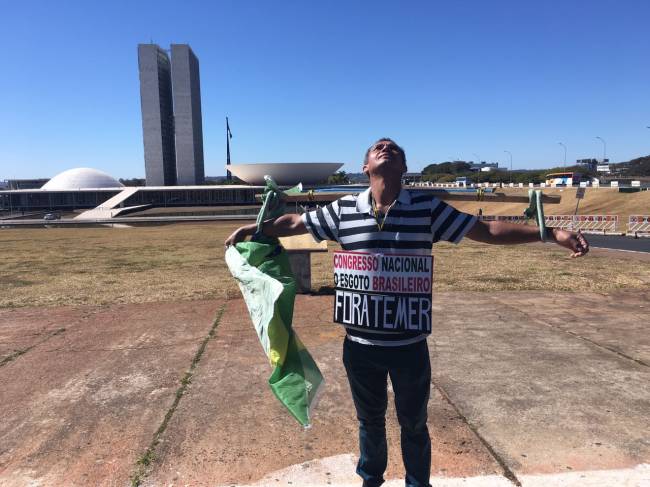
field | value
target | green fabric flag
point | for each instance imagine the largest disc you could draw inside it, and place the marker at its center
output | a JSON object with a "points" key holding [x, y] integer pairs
{"points": [[261, 268], [536, 210]]}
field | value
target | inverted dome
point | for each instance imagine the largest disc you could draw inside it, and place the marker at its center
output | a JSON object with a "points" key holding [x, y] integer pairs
{"points": [[81, 178], [285, 173]]}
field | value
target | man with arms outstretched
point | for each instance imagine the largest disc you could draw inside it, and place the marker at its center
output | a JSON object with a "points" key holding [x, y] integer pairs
{"points": [[388, 219]]}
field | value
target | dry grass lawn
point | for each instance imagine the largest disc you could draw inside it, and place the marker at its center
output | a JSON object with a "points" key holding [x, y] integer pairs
{"points": [[78, 266]]}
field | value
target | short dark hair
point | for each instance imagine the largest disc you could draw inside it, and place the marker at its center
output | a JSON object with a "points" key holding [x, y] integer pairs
{"points": [[385, 139]]}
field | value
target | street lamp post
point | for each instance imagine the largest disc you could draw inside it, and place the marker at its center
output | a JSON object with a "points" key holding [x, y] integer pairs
{"points": [[510, 154], [564, 152], [604, 148]]}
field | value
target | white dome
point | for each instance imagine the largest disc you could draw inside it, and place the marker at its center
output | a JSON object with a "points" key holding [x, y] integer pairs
{"points": [[81, 178], [285, 173]]}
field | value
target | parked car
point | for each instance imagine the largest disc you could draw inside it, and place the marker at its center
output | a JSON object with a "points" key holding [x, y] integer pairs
{"points": [[51, 216]]}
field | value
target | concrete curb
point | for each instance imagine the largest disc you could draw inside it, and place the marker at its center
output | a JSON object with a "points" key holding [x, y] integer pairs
{"points": [[338, 471]]}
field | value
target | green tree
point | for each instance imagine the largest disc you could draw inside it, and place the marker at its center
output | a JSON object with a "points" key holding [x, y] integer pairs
{"points": [[446, 178], [340, 177], [448, 167]]}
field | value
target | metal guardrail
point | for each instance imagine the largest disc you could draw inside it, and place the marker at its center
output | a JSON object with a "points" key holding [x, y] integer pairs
{"points": [[503, 218], [604, 223], [638, 224]]}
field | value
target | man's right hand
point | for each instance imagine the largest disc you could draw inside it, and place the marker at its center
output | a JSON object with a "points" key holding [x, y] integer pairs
{"points": [[284, 226], [238, 235]]}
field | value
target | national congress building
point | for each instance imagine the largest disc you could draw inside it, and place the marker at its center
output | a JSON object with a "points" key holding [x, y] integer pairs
{"points": [[170, 98]]}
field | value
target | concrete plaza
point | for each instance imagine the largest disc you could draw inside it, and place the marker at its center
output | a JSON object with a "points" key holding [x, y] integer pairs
{"points": [[529, 388]]}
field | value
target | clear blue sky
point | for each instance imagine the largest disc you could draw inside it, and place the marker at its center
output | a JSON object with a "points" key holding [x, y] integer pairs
{"points": [[320, 81]]}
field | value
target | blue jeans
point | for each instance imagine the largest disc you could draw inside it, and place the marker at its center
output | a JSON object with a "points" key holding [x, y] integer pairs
{"points": [[408, 366]]}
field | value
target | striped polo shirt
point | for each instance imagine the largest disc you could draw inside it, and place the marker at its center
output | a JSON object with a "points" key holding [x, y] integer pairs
{"points": [[412, 226]]}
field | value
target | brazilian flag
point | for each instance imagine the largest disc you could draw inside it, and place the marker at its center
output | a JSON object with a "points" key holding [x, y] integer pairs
{"points": [[261, 268]]}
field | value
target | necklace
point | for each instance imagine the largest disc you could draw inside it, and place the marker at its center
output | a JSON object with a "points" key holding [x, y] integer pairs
{"points": [[380, 226]]}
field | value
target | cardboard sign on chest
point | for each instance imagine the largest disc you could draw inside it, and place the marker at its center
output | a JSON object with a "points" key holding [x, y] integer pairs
{"points": [[383, 292]]}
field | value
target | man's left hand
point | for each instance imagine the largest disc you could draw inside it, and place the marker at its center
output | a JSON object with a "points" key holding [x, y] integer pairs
{"points": [[575, 242]]}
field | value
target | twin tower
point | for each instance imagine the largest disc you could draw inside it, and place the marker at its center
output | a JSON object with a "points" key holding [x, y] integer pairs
{"points": [[170, 96]]}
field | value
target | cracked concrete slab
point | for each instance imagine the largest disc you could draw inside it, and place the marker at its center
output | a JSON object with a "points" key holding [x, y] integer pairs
{"points": [[79, 408], [24, 328], [615, 320], [229, 429], [546, 401]]}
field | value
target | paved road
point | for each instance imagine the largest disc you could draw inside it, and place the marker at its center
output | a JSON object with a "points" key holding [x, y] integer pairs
{"points": [[619, 242]]}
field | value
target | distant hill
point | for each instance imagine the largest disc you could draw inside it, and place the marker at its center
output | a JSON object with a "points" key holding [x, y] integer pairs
{"points": [[636, 167], [448, 172]]}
